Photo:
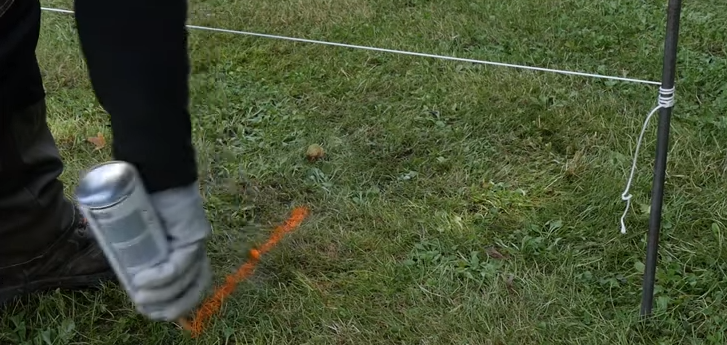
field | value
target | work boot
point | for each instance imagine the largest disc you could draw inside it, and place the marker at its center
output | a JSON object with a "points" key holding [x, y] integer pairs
{"points": [[74, 261]]}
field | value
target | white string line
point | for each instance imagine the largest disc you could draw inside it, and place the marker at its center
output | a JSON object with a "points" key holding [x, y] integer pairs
{"points": [[403, 52], [665, 100]]}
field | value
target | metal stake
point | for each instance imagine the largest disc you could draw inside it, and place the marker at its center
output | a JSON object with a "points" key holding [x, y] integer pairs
{"points": [[662, 146]]}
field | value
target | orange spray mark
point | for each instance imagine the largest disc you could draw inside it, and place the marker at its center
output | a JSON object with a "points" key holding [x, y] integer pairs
{"points": [[213, 304]]}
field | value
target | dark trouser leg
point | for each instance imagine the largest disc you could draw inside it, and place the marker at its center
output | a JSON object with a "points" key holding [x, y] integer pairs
{"points": [[33, 209], [43, 244]]}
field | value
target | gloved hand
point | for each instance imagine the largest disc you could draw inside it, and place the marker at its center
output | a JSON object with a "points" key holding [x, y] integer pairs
{"points": [[175, 287]]}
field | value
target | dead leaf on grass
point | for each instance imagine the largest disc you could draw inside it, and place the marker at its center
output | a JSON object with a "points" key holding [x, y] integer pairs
{"points": [[98, 141], [314, 152]]}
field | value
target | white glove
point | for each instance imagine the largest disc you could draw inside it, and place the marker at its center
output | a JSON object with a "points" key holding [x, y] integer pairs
{"points": [[175, 287]]}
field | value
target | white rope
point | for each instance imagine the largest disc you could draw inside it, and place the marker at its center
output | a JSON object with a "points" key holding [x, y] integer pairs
{"points": [[665, 100], [384, 50], [666, 96]]}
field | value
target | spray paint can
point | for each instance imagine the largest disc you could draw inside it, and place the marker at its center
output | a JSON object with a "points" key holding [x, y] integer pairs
{"points": [[113, 199]]}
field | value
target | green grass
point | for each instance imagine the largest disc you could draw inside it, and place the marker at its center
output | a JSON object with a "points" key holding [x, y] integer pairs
{"points": [[430, 165]]}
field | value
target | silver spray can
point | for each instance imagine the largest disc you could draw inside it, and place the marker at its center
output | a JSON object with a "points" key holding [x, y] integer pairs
{"points": [[113, 199]]}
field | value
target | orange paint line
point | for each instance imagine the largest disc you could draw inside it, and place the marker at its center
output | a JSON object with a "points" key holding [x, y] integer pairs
{"points": [[213, 303]]}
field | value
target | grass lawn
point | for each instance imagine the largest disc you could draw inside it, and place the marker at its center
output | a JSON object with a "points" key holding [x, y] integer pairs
{"points": [[457, 203]]}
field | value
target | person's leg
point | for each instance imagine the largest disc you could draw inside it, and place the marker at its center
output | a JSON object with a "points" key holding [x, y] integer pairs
{"points": [[40, 242], [33, 209], [31, 198]]}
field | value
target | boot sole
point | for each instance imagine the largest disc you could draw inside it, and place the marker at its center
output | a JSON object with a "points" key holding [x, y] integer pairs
{"points": [[69, 283]]}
